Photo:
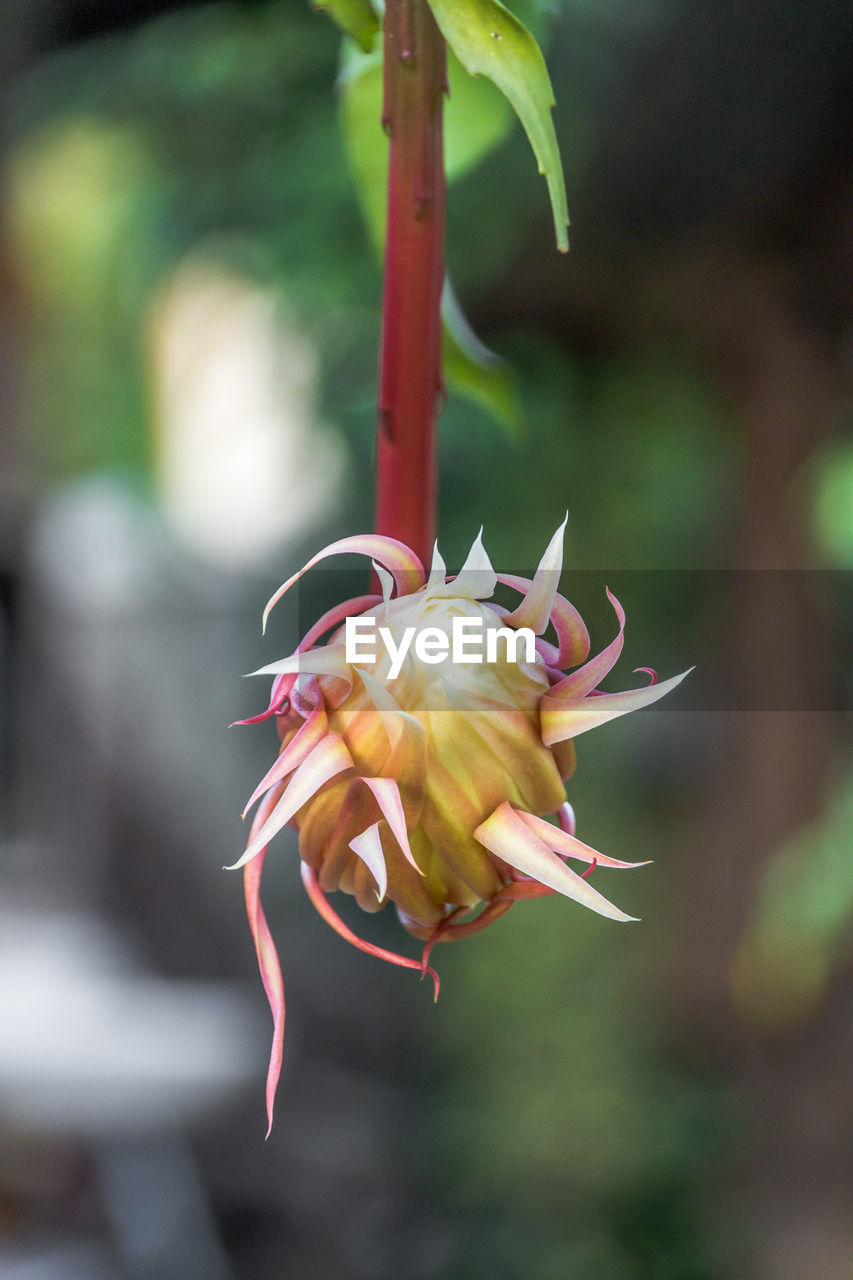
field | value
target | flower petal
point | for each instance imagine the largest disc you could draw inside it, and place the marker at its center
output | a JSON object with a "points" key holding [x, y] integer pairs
{"points": [[535, 609], [590, 675], [438, 569], [326, 660], [334, 616], [306, 738], [573, 637], [568, 846], [566, 818], [281, 687], [390, 713], [563, 718], [329, 758], [406, 568], [523, 891], [368, 846], [328, 913], [387, 795], [476, 580], [268, 962], [507, 837], [386, 582]]}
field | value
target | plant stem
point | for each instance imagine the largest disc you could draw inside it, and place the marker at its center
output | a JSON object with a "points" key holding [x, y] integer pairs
{"points": [[415, 81]]}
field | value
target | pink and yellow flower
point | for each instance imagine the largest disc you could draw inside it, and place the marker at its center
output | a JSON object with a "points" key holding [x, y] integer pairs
{"points": [[429, 785]]}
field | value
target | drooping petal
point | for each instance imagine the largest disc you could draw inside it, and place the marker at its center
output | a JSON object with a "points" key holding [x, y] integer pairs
{"points": [[507, 837], [368, 846], [476, 579], [407, 570], [329, 758], [300, 746], [265, 950], [563, 718], [331, 917], [535, 609], [387, 795], [590, 675], [569, 846]]}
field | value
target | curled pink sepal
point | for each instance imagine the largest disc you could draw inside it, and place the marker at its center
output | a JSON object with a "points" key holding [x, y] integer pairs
{"points": [[327, 912], [405, 567], [281, 687]]}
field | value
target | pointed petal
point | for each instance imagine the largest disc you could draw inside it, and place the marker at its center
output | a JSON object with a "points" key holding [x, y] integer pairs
{"points": [[590, 675], [300, 746], [568, 846], [476, 579], [268, 962], [328, 913], [573, 637], [405, 566], [387, 795], [329, 758], [567, 718], [507, 837], [368, 846], [535, 609], [386, 582], [327, 660], [438, 569]]}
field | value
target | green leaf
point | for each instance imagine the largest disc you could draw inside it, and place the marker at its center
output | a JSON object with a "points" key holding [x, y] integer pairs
{"points": [[356, 17], [488, 40], [360, 90], [476, 119], [472, 370]]}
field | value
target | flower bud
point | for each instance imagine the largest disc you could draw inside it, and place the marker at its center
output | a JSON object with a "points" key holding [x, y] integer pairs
{"points": [[426, 734]]}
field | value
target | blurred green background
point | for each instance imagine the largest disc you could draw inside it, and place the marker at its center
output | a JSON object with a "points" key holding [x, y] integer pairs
{"points": [[189, 317]]}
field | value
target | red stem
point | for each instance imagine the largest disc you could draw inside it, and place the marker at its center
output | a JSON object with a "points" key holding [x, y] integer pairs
{"points": [[415, 81]]}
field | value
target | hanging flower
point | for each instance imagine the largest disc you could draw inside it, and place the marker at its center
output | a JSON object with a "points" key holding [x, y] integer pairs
{"points": [[419, 772]]}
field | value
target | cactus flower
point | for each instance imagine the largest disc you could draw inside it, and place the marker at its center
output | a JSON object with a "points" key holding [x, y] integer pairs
{"points": [[420, 773]]}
